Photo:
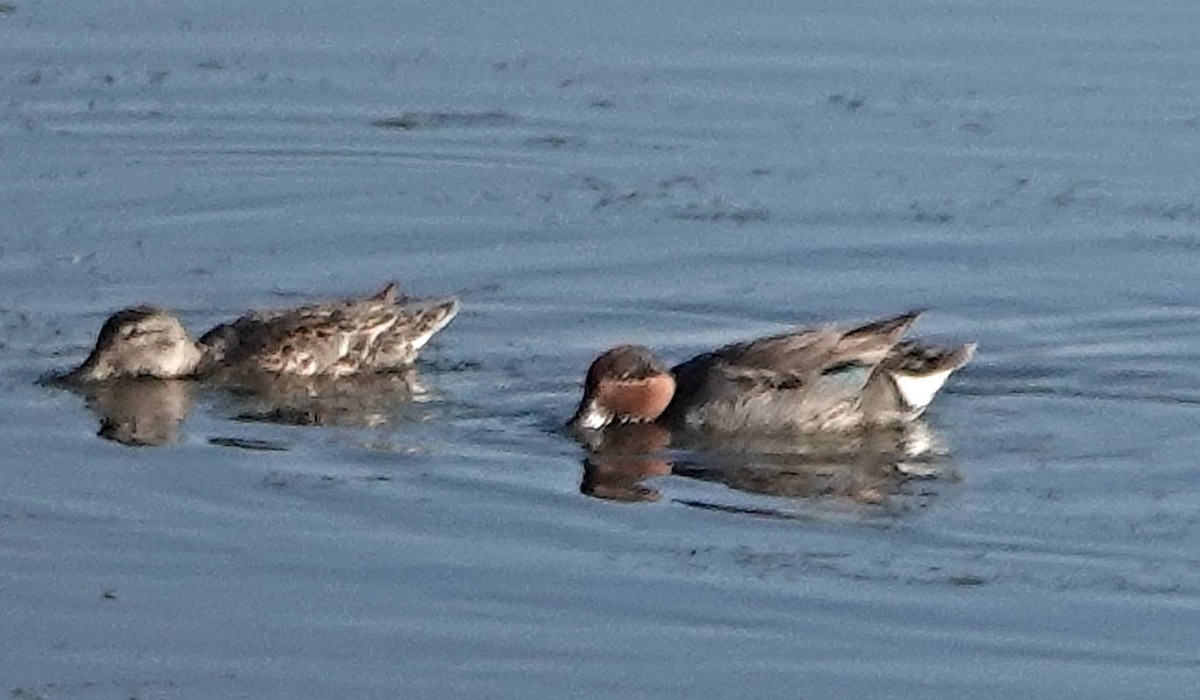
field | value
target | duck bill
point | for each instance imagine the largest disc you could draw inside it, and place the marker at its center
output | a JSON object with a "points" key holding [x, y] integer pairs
{"points": [[590, 416], [89, 371]]}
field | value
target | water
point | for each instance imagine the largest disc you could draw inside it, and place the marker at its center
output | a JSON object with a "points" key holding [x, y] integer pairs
{"points": [[583, 175]]}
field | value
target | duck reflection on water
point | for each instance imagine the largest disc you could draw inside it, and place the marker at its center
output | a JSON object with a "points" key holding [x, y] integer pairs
{"points": [[867, 468], [141, 411], [146, 411]]}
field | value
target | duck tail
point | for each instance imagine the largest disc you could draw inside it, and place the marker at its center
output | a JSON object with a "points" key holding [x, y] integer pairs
{"points": [[428, 317], [908, 379]]}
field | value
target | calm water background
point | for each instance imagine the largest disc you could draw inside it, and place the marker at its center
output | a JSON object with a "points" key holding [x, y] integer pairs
{"points": [[583, 174]]}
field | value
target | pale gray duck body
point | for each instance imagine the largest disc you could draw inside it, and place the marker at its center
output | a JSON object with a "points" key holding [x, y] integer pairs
{"points": [[809, 380]]}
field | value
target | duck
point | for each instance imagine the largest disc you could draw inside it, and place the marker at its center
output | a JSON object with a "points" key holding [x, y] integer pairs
{"points": [[361, 335], [827, 379]]}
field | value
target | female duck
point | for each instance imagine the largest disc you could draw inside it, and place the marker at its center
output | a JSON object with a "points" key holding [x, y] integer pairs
{"points": [[335, 339]]}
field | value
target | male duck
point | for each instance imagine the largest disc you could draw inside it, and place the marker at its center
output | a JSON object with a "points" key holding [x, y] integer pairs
{"points": [[807, 380], [333, 339]]}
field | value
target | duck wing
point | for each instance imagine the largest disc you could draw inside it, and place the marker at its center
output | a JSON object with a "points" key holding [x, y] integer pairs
{"points": [[799, 356], [331, 339], [807, 376]]}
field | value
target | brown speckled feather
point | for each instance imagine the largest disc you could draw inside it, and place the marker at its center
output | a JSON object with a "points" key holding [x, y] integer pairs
{"points": [[369, 334]]}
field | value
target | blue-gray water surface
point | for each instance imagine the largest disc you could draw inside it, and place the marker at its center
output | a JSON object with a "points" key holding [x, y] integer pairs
{"points": [[584, 174]]}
